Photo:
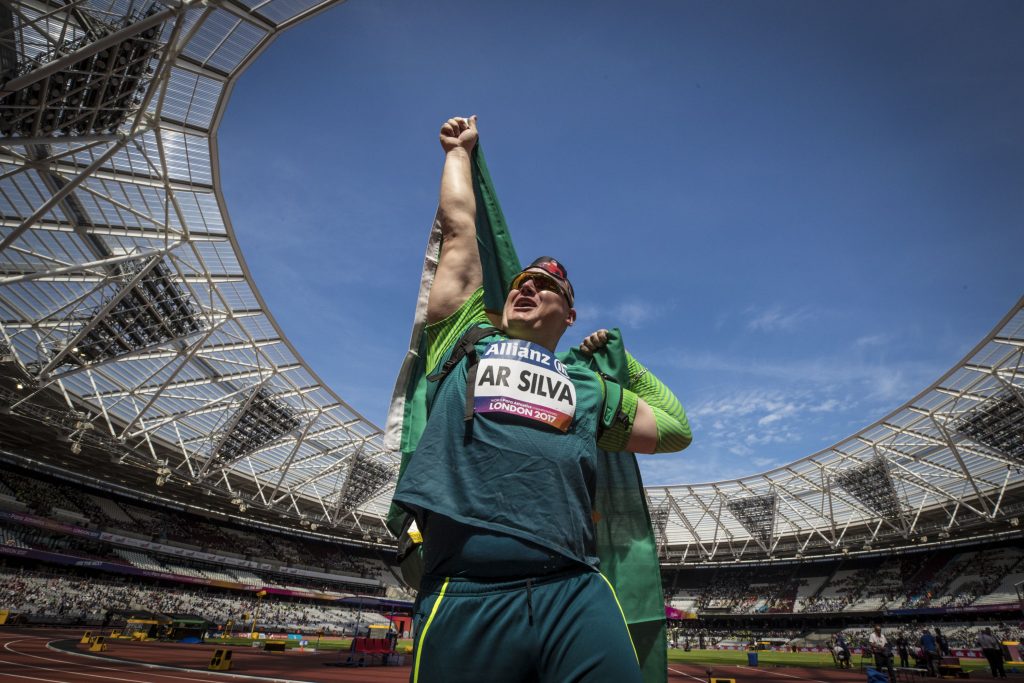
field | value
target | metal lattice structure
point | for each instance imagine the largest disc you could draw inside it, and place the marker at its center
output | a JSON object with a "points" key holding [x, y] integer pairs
{"points": [[757, 515], [131, 326], [997, 423], [945, 465], [872, 484]]}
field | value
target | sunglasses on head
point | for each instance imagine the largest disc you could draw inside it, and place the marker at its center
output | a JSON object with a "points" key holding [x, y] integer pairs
{"points": [[541, 281]]}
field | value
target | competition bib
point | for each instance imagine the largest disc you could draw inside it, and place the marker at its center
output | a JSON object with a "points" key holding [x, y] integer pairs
{"points": [[518, 377]]}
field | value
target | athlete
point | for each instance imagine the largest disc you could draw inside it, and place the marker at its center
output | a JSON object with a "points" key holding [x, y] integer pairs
{"points": [[502, 481]]}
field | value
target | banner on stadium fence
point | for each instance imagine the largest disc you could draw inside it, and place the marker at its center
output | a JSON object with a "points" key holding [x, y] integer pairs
{"points": [[968, 609], [49, 524]]}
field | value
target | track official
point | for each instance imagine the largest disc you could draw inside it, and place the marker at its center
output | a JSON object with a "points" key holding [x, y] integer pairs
{"points": [[501, 484]]}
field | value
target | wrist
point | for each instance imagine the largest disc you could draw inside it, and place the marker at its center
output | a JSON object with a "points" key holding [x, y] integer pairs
{"points": [[459, 151]]}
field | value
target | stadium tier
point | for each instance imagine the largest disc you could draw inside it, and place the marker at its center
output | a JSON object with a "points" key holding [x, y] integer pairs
{"points": [[958, 580], [77, 598], [59, 524]]}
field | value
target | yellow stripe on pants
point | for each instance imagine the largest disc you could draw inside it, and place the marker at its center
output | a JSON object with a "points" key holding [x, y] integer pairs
{"points": [[612, 589], [423, 635]]}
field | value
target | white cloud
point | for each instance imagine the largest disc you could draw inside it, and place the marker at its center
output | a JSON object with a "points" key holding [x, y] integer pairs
{"points": [[870, 340], [826, 406], [634, 313], [878, 381], [626, 314], [775, 319]]}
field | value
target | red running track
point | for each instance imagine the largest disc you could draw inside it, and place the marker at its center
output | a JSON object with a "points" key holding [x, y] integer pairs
{"points": [[34, 655]]}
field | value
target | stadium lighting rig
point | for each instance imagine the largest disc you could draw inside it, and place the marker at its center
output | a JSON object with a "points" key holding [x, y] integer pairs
{"points": [[997, 423], [872, 485], [757, 515], [366, 477], [147, 309], [261, 420], [74, 71]]}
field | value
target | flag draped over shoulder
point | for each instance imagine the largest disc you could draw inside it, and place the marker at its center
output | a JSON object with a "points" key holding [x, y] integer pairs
{"points": [[625, 541]]}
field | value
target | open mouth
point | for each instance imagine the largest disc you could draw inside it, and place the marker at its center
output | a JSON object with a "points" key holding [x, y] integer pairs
{"points": [[524, 303]]}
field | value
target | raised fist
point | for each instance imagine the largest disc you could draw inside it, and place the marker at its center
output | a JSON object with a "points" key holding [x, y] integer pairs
{"points": [[459, 132]]}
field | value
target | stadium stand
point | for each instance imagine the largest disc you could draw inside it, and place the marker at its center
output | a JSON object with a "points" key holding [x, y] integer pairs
{"points": [[67, 597], [183, 530], [943, 578]]}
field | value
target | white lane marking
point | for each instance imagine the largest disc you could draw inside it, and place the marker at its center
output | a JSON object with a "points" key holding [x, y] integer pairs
{"points": [[7, 646], [121, 664], [776, 673], [686, 674], [50, 646], [34, 678]]}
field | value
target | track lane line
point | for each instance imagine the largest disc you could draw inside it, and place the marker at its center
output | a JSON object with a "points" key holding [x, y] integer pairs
{"points": [[686, 674], [35, 678], [7, 646], [147, 665], [776, 673]]}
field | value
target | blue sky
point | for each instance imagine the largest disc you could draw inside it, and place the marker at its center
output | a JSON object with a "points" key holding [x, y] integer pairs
{"points": [[799, 213]]}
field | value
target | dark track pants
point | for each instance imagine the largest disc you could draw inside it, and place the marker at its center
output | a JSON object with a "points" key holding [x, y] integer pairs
{"points": [[995, 662], [563, 628]]}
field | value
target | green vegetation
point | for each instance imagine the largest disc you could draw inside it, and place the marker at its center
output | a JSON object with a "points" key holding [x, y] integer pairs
{"points": [[765, 657]]}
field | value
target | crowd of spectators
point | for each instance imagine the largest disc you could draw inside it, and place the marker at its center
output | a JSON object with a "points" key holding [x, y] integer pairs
{"points": [[942, 578], [78, 598], [749, 591]]}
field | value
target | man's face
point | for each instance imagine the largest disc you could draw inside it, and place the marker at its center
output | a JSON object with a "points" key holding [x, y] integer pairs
{"points": [[535, 307]]}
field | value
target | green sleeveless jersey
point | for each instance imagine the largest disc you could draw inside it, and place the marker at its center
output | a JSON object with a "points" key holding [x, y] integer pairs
{"points": [[523, 466]]}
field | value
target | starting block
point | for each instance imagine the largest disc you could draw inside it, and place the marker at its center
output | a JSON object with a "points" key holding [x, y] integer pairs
{"points": [[97, 644], [139, 636], [723, 680], [86, 637], [221, 661]]}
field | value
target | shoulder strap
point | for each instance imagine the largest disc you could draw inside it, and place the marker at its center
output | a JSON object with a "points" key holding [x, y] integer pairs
{"points": [[612, 412], [465, 347]]}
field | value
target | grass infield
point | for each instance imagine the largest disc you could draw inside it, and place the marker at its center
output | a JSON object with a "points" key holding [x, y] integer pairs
{"points": [[766, 658], [817, 660]]}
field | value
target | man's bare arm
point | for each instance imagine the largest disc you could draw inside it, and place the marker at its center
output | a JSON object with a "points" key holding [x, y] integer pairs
{"points": [[459, 273]]}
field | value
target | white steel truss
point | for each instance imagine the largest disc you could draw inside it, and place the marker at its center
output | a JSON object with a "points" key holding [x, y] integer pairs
{"points": [[122, 287]]}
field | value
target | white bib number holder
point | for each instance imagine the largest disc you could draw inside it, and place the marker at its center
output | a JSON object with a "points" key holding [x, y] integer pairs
{"points": [[517, 377]]}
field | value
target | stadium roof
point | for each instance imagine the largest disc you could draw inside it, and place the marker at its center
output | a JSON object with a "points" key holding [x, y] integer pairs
{"points": [[121, 283], [132, 329]]}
